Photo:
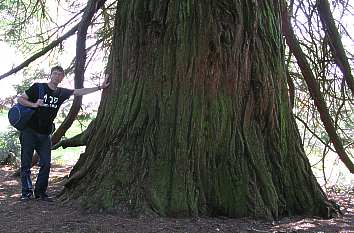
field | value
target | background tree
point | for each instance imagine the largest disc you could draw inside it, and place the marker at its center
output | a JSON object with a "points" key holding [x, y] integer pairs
{"points": [[315, 43]]}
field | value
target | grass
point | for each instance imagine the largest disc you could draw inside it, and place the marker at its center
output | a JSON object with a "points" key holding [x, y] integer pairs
{"points": [[71, 154]]}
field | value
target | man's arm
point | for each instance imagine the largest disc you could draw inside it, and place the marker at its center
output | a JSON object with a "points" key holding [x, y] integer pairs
{"points": [[85, 91], [23, 100]]}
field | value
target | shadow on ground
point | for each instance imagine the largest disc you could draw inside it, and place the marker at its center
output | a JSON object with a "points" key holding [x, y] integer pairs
{"points": [[38, 216]]}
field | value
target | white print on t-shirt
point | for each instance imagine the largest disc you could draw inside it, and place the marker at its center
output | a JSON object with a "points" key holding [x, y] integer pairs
{"points": [[50, 101]]}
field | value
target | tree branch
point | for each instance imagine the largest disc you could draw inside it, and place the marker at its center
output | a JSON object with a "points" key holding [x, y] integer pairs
{"points": [[335, 42], [80, 60], [41, 53], [78, 140], [314, 89], [314, 134], [90, 10]]}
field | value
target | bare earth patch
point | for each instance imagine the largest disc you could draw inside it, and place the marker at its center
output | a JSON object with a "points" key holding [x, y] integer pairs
{"points": [[39, 216]]}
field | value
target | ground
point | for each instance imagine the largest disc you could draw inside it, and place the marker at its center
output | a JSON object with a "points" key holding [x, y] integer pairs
{"points": [[40, 217]]}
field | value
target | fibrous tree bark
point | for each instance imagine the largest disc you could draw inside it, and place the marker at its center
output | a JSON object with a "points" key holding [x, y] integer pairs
{"points": [[196, 120]]}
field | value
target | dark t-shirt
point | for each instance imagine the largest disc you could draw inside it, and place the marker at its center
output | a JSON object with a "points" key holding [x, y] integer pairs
{"points": [[43, 118]]}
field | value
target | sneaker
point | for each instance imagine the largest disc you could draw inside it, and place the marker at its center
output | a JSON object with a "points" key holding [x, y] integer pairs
{"points": [[43, 197], [26, 197]]}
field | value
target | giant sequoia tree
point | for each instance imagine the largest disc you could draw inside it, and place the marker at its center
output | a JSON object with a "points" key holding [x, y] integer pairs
{"points": [[197, 120]]}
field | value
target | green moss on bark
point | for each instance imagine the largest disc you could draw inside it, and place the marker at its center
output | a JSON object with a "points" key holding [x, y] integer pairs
{"points": [[196, 121]]}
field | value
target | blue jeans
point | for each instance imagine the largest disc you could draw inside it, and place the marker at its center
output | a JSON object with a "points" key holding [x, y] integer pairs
{"points": [[30, 141]]}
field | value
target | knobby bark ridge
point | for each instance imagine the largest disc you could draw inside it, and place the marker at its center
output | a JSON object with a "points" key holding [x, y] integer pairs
{"points": [[196, 120]]}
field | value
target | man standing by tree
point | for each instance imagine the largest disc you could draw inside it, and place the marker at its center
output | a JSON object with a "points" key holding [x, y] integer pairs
{"points": [[36, 136]]}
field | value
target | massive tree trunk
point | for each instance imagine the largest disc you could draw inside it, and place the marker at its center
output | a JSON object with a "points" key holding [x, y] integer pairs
{"points": [[197, 120]]}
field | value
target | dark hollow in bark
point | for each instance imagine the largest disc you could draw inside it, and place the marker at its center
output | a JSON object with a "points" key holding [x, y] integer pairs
{"points": [[196, 120]]}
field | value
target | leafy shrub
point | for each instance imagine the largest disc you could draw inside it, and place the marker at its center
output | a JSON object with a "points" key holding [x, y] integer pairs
{"points": [[10, 149]]}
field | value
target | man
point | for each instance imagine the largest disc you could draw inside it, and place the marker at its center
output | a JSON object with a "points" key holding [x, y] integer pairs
{"points": [[36, 136]]}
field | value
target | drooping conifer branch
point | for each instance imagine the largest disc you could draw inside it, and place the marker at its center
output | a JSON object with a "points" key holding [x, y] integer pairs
{"points": [[336, 45], [79, 69], [41, 53], [314, 89]]}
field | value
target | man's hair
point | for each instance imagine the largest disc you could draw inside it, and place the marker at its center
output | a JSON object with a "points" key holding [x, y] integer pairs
{"points": [[57, 68]]}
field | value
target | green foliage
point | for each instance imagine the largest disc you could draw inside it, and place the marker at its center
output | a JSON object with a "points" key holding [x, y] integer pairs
{"points": [[9, 145], [30, 77], [20, 88], [71, 154], [22, 18]]}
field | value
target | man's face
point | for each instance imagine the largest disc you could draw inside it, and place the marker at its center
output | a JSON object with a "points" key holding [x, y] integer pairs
{"points": [[56, 76]]}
